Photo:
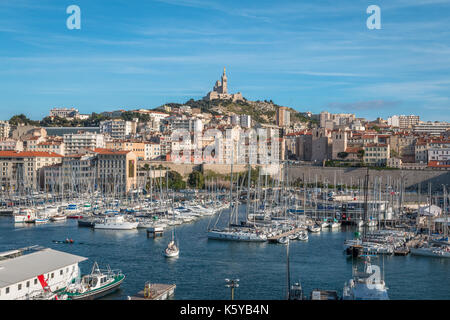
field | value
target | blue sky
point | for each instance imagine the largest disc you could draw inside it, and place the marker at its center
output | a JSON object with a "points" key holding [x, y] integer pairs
{"points": [[309, 55]]}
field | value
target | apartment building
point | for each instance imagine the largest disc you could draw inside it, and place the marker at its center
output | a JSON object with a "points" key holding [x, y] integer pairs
{"points": [[4, 129], [283, 117], [403, 122], [137, 147], [11, 145], [431, 128], [376, 154], [116, 170], [22, 170], [58, 147], [75, 142], [152, 150], [118, 128], [76, 172]]}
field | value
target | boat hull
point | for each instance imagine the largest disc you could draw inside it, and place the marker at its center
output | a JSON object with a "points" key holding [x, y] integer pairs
{"points": [[96, 294]]}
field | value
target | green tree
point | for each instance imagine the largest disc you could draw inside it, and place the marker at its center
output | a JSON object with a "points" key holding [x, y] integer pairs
{"points": [[196, 180], [342, 155]]}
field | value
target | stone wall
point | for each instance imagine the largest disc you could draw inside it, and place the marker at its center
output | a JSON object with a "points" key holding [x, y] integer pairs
{"points": [[347, 175]]}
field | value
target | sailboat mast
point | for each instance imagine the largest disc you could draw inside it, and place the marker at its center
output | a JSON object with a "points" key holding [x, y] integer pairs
{"points": [[366, 193]]}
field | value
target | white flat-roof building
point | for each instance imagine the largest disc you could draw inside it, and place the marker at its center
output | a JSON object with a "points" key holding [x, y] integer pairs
{"points": [[25, 275]]}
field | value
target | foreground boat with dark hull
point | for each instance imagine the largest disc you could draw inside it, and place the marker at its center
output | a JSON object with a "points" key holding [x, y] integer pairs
{"points": [[95, 285]]}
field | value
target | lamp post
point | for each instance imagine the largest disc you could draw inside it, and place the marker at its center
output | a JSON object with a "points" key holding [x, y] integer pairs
{"points": [[234, 283]]}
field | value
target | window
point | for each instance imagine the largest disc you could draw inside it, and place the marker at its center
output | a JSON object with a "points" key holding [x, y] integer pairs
{"points": [[61, 272], [7, 290], [53, 275], [35, 281], [19, 286], [28, 284]]}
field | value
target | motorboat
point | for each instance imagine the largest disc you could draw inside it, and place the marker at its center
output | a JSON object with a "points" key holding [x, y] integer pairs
{"points": [[314, 228], [365, 285], [116, 222], [25, 215], [283, 240], [302, 236], [58, 218], [95, 285]]}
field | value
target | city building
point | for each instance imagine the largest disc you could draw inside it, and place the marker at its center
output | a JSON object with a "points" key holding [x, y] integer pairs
{"points": [[76, 172], [403, 122], [137, 147], [152, 150], [11, 145], [64, 113], [376, 154], [58, 147], [283, 117], [74, 142], [431, 128], [22, 170], [4, 129], [118, 128], [116, 170]]}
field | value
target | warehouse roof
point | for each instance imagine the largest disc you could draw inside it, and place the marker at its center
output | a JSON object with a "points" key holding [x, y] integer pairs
{"points": [[29, 266]]}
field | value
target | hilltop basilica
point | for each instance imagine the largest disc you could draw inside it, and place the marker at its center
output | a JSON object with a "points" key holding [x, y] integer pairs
{"points": [[220, 91]]}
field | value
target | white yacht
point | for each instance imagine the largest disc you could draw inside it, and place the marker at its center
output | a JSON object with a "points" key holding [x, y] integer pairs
{"points": [[436, 252], [116, 222], [366, 285]]}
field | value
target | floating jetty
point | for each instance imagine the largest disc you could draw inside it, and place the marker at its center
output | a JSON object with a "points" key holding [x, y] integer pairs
{"points": [[155, 291], [154, 232]]}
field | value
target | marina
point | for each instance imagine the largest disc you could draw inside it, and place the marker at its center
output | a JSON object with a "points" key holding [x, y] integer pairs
{"points": [[199, 270]]}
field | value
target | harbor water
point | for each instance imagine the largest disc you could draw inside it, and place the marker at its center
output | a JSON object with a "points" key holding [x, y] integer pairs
{"points": [[203, 264]]}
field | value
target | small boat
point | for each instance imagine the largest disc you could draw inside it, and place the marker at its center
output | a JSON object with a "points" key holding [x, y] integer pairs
{"points": [[283, 240], [41, 220], [293, 236], [296, 292], [324, 224], [172, 250], [58, 218], [303, 236], [314, 229], [333, 224], [67, 241], [95, 285]]}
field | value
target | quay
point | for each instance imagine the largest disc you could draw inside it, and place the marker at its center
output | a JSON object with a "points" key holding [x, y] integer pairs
{"points": [[155, 291], [284, 234]]}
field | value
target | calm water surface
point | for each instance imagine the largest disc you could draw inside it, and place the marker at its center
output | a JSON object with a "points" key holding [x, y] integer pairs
{"points": [[203, 264]]}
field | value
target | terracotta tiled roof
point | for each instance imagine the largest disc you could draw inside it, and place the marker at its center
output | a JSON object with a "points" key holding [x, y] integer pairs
{"points": [[436, 164], [110, 152], [28, 154]]}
